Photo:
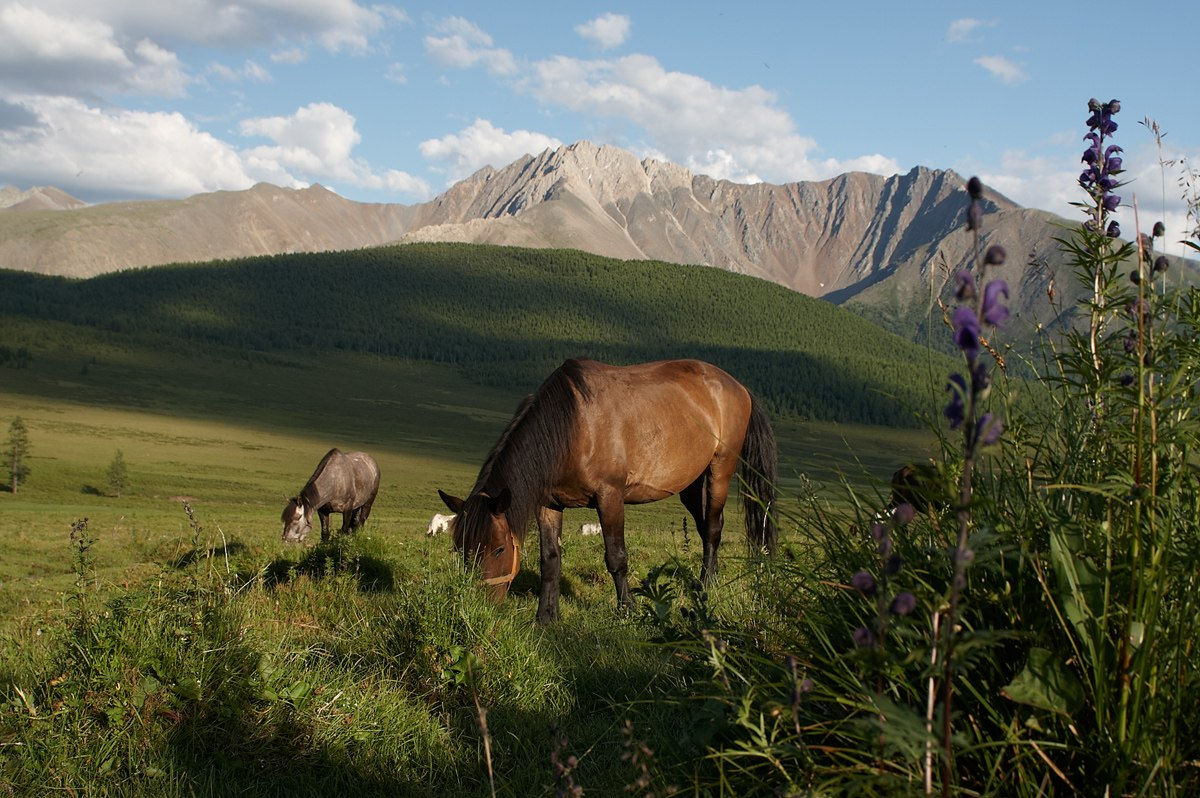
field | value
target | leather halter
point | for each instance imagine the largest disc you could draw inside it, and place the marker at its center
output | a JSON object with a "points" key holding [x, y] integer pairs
{"points": [[507, 578]]}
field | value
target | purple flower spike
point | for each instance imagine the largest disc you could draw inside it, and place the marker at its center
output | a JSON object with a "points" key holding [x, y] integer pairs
{"points": [[965, 291], [863, 582], [904, 603], [955, 411], [904, 513], [995, 312], [864, 637], [990, 429], [966, 331]]}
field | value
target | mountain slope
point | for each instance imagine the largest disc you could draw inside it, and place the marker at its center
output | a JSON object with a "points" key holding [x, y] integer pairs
{"points": [[502, 316], [882, 244]]}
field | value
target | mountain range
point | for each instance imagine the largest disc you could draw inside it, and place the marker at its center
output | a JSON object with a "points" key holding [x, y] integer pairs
{"points": [[882, 245]]}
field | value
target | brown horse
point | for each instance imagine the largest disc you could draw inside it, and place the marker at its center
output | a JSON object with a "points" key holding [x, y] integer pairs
{"points": [[343, 483], [602, 436]]}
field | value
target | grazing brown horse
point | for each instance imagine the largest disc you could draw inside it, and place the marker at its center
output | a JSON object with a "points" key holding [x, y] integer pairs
{"points": [[602, 436], [344, 482]]}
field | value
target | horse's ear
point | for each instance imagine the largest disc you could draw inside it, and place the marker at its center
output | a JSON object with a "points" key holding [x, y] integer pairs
{"points": [[453, 502], [500, 503]]}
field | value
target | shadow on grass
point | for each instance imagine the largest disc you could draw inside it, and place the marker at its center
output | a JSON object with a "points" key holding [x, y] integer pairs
{"points": [[91, 490], [191, 556], [373, 574], [529, 583]]}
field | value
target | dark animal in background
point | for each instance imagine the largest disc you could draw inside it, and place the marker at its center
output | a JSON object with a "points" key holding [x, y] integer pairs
{"points": [[344, 482], [602, 436], [921, 485]]}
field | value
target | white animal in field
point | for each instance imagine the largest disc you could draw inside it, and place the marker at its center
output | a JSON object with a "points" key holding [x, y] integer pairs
{"points": [[440, 523], [590, 529]]}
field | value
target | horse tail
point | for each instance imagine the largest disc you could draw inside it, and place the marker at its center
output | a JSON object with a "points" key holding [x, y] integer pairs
{"points": [[760, 474]]}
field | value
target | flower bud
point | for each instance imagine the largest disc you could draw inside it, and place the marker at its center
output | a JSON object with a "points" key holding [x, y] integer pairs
{"points": [[1114, 230], [863, 582], [1161, 263], [1159, 230], [1093, 105], [975, 188], [903, 603], [1135, 277], [1114, 106], [995, 255]]}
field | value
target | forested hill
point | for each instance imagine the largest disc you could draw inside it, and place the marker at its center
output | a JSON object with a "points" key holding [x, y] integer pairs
{"points": [[502, 316]]}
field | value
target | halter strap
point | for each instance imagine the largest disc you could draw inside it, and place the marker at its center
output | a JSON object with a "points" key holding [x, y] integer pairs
{"points": [[507, 578]]}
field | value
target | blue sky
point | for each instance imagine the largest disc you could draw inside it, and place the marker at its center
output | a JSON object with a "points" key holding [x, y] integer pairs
{"points": [[125, 99]]}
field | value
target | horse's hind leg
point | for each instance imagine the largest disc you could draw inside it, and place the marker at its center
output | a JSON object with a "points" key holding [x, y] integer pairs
{"points": [[716, 492], [611, 509], [362, 514], [549, 532]]}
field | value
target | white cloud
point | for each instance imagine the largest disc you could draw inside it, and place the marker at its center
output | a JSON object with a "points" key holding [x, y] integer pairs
{"points": [[607, 30], [1001, 68], [735, 134], [106, 152], [249, 71], [395, 73], [463, 45], [960, 30], [482, 144], [43, 52], [317, 142], [292, 55], [334, 24]]}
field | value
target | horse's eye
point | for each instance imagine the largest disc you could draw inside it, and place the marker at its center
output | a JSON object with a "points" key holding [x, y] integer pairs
{"points": [[498, 552]]}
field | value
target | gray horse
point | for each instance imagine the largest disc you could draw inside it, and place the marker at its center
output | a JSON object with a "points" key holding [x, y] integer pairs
{"points": [[344, 482]]}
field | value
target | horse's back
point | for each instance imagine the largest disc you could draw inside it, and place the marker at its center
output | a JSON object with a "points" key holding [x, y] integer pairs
{"points": [[657, 426]]}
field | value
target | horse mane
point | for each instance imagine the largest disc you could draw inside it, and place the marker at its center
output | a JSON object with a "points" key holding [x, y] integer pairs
{"points": [[527, 457], [309, 493]]}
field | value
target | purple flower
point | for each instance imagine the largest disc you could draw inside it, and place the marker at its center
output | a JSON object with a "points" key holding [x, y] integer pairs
{"points": [[975, 188], [995, 255], [955, 411], [1114, 229], [1094, 105], [1106, 183], [892, 566], [863, 582], [864, 637], [1112, 148], [904, 513], [1111, 202], [1161, 264], [965, 291], [1159, 230], [1135, 277], [903, 603], [1090, 156], [879, 531], [806, 685], [966, 331], [981, 378], [995, 312], [974, 216], [989, 429], [1130, 342], [1112, 165], [1113, 106], [1125, 380], [1138, 307]]}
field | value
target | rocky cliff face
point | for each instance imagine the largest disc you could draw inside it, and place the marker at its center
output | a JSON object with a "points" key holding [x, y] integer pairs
{"points": [[885, 245]]}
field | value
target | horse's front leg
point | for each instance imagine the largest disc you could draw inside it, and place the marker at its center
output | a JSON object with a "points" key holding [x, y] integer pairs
{"points": [[549, 532], [611, 509], [324, 515]]}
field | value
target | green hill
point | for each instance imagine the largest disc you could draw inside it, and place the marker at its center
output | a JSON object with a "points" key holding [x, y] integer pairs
{"points": [[503, 317]]}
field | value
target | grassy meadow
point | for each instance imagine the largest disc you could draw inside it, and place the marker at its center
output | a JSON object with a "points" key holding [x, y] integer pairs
{"points": [[355, 666]]}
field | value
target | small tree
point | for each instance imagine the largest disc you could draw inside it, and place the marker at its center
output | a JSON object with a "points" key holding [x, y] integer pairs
{"points": [[118, 475], [16, 453]]}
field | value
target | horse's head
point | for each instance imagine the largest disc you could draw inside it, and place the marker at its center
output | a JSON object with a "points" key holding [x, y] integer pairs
{"points": [[297, 521], [483, 535]]}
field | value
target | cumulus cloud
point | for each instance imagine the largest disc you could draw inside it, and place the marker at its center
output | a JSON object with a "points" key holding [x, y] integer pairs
{"points": [[483, 144], [734, 134], [102, 152], [334, 24], [44, 52], [292, 55], [606, 31], [462, 44], [1001, 68], [248, 71], [317, 142], [960, 30]]}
